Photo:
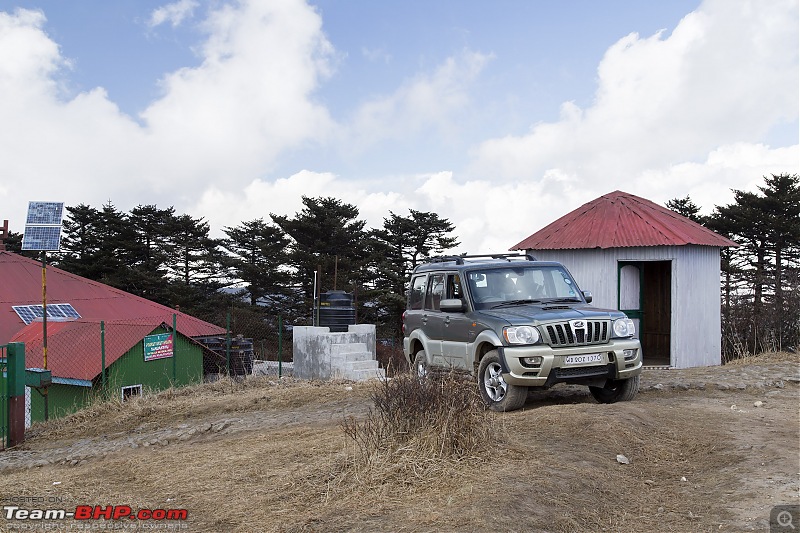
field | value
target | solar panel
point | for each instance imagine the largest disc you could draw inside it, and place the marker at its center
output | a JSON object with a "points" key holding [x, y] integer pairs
{"points": [[66, 309], [55, 312], [41, 238], [48, 213], [43, 226]]}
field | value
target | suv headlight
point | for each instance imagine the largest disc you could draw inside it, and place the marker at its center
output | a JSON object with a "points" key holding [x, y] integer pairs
{"points": [[521, 335], [624, 327]]}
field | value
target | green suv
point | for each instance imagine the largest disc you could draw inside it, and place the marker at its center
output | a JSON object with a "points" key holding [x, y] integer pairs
{"points": [[515, 323]]}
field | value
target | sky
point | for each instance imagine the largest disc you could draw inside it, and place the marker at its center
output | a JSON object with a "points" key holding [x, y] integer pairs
{"points": [[499, 116]]}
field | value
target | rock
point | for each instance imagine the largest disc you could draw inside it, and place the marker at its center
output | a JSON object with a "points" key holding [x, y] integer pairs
{"points": [[733, 407], [649, 482], [621, 459], [658, 386], [758, 403], [683, 478]]}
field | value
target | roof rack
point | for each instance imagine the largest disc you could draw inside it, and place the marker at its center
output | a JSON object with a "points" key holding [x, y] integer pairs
{"points": [[459, 259]]}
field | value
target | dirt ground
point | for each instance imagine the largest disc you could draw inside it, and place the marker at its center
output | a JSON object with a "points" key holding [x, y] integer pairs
{"points": [[269, 456]]}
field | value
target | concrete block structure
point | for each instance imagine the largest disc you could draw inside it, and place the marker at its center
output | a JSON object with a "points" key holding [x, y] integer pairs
{"points": [[320, 354]]}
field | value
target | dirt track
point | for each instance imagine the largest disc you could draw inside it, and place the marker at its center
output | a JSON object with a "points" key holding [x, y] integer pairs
{"points": [[269, 458]]}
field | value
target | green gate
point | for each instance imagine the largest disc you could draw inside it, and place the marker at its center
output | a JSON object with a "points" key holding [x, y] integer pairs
{"points": [[12, 391], [3, 397]]}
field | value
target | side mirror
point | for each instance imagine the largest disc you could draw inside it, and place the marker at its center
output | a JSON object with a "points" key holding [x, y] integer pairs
{"points": [[451, 305], [587, 295]]}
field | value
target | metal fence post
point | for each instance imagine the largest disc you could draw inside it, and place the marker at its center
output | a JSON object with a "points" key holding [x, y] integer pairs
{"points": [[280, 347], [228, 344], [174, 355], [103, 354]]}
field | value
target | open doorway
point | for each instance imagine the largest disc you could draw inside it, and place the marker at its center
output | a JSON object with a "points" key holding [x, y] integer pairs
{"points": [[645, 295]]}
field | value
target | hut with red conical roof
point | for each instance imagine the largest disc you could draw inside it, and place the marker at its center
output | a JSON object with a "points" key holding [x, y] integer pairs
{"points": [[660, 268]]}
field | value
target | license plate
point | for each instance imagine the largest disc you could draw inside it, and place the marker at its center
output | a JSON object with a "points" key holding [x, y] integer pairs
{"points": [[583, 359]]}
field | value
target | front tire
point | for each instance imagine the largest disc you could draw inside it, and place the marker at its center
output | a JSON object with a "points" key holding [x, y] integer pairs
{"points": [[623, 390], [496, 393]]}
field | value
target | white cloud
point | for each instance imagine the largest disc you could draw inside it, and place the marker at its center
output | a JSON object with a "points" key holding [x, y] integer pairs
{"points": [[376, 55], [716, 85], [284, 197], [430, 100], [221, 124], [674, 114], [174, 13]]}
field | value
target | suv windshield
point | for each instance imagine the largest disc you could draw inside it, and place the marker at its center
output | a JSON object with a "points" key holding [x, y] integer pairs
{"points": [[520, 285]]}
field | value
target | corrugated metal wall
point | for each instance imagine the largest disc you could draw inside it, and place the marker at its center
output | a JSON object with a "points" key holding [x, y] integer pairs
{"points": [[696, 320]]}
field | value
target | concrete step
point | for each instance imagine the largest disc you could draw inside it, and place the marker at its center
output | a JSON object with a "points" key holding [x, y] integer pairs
{"points": [[360, 365], [363, 375], [353, 347], [341, 359]]}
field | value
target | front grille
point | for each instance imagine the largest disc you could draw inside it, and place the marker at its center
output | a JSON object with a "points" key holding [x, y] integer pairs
{"points": [[581, 371], [578, 332]]}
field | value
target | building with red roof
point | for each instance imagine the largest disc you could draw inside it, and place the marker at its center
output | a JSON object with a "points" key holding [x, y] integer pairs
{"points": [[95, 334], [660, 268]]}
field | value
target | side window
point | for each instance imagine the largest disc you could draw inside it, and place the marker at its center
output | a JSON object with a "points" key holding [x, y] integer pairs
{"points": [[416, 296], [454, 287], [435, 292]]}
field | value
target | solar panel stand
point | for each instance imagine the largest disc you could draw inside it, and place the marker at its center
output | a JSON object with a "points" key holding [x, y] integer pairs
{"points": [[44, 329], [43, 233]]}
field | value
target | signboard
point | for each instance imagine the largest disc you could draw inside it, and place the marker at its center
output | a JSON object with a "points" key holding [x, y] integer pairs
{"points": [[157, 346]]}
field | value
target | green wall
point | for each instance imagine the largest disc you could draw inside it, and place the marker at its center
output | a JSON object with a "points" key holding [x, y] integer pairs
{"points": [[130, 369]]}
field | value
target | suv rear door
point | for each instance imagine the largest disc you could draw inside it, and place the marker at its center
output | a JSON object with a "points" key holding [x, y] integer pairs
{"points": [[456, 326], [433, 319]]}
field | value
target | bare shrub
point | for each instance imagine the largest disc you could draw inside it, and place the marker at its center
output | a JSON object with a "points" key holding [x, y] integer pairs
{"points": [[423, 419]]}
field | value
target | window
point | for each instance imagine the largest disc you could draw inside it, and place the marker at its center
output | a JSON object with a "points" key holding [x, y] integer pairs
{"points": [[435, 292], [131, 391], [416, 295], [454, 287]]}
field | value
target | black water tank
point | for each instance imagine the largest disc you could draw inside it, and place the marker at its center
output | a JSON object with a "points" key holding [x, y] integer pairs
{"points": [[336, 310]]}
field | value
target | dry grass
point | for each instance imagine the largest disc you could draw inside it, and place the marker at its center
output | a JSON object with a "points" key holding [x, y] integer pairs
{"points": [[549, 467], [765, 358], [195, 402], [418, 431]]}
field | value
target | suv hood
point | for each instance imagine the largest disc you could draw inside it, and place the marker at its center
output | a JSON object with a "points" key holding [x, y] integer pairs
{"points": [[525, 314]]}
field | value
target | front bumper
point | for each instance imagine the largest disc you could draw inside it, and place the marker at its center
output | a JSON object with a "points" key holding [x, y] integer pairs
{"points": [[553, 369]]}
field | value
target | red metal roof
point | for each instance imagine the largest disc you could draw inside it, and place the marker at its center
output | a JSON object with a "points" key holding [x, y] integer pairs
{"points": [[21, 284], [74, 349], [621, 220]]}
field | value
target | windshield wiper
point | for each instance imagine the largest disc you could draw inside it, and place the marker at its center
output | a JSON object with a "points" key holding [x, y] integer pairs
{"points": [[559, 300], [515, 302]]}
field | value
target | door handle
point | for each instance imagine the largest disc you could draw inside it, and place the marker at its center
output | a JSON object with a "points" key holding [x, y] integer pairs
{"points": [[446, 320]]}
